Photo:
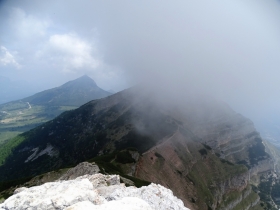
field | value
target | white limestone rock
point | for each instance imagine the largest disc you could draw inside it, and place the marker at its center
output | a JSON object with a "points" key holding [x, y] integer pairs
{"points": [[98, 191], [128, 203], [81, 169], [101, 180], [81, 205], [157, 196], [54, 195]]}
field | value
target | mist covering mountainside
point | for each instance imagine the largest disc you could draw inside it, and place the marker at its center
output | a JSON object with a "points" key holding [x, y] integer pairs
{"points": [[207, 154]]}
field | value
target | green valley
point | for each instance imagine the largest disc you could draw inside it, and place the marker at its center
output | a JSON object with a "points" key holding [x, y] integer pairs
{"points": [[18, 117], [22, 115]]}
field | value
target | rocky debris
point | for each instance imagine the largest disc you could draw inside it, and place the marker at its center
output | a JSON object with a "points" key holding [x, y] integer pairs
{"points": [[96, 191], [126, 181], [49, 150], [135, 155], [80, 170]]}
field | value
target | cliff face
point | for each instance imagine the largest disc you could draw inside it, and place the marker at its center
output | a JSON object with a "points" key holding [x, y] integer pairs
{"points": [[200, 149], [192, 171]]}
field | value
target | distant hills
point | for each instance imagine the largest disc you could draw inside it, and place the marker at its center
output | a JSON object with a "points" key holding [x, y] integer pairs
{"points": [[73, 93], [22, 115], [208, 155]]}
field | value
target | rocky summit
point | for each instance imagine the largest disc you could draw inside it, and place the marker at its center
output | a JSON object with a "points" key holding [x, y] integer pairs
{"points": [[96, 192]]}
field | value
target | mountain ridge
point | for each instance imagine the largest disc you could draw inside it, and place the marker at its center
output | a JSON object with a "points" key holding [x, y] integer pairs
{"points": [[212, 152], [22, 115], [61, 95]]}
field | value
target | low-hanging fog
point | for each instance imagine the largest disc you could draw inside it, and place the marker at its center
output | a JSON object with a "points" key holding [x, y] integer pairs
{"points": [[228, 49]]}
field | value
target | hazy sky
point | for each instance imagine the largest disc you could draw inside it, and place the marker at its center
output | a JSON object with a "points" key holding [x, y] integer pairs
{"points": [[230, 49]]}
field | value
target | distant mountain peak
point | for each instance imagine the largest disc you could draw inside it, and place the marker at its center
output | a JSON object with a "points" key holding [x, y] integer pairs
{"points": [[73, 93], [83, 80], [85, 77]]}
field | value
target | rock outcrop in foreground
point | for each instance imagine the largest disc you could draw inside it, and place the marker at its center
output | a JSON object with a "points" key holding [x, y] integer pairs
{"points": [[98, 192]]}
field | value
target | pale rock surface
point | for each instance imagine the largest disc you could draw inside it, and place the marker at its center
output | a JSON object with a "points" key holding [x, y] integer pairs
{"points": [[81, 169], [98, 191], [128, 203], [127, 181], [53, 195], [49, 150], [157, 196]]}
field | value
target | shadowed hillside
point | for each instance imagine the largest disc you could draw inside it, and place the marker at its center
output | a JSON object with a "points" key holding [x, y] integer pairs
{"points": [[25, 114], [204, 151]]}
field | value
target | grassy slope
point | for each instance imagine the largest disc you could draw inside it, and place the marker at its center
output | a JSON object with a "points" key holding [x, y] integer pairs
{"points": [[79, 136], [206, 174]]}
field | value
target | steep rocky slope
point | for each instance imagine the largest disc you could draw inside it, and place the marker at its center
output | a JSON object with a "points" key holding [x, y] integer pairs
{"points": [[201, 149]]}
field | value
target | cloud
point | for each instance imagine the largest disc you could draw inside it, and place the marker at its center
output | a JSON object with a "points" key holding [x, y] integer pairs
{"points": [[73, 55], [27, 26], [7, 58], [24, 34], [228, 48], [72, 52], [53, 50]]}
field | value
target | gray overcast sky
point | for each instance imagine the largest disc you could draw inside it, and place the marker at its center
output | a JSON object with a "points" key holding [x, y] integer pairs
{"points": [[227, 48]]}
